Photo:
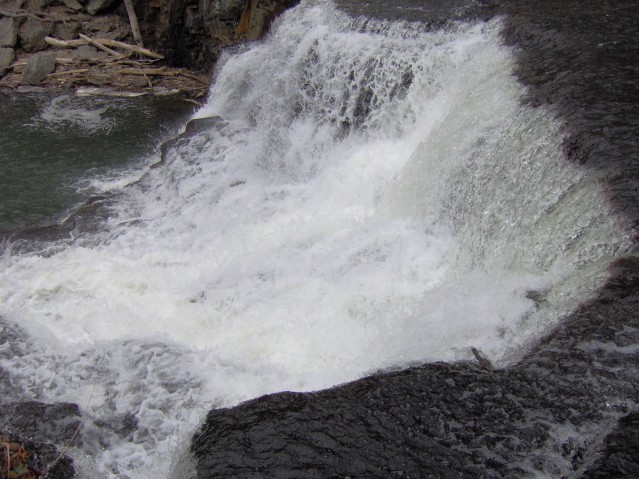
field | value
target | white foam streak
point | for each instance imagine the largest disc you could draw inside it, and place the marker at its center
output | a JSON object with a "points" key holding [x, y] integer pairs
{"points": [[65, 111], [370, 197]]}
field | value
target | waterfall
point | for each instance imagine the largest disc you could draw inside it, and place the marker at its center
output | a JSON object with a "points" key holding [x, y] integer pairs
{"points": [[356, 195]]}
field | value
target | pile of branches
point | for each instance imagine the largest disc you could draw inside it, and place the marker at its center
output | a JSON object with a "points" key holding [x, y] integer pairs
{"points": [[117, 67], [124, 60]]}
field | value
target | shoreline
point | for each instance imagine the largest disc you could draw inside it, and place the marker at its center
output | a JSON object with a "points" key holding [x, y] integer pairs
{"points": [[60, 49]]}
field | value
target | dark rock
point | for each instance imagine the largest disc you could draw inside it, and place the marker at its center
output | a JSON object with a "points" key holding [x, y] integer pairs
{"points": [[620, 456], [67, 30], [37, 236], [192, 34], [32, 33], [53, 423], [95, 7], [202, 125], [38, 67], [74, 5], [208, 126], [8, 32], [6, 58], [88, 52], [38, 5], [42, 430]]}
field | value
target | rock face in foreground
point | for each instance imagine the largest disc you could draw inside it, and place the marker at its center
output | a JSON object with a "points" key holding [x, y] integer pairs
{"points": [[549, 413]]}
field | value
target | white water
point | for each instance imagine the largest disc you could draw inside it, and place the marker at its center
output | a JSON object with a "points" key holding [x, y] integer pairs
{"points": [[374, 196]]}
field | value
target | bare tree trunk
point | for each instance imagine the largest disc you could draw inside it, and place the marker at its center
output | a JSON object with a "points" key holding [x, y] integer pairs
{"points": [[133, 20]]}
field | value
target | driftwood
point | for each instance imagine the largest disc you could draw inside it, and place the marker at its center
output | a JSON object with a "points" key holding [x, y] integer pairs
{"points": [[69, 72], [146, 71], [106, 42], [483, 361], [133, 20], [22, 14], [99, 45]]}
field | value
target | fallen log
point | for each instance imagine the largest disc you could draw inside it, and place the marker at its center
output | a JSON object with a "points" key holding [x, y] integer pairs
{"points": [[133, 20], [104, 41], [99, 45], [54, 42], [146, 71], [68, 72]]}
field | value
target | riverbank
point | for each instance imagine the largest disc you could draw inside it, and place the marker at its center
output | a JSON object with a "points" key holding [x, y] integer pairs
{"points": [[89, 45], [57, 47]]}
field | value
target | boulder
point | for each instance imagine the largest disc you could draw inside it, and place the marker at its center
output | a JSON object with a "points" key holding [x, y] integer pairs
{"points": [[6, 57], [38, 67], [32, 33], [40, 4], [67, 30], [74, 5], [99, 6], [87, 52], [8, 32]]}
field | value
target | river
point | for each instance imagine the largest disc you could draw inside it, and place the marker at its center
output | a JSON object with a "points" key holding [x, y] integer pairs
{"points": [[369, 188]]}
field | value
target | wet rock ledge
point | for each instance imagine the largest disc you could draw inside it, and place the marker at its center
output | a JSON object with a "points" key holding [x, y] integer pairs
{"points": [[565, 410], [89, 45]]}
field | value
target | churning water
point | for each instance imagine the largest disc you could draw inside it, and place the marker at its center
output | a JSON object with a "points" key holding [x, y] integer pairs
{"points": [[372, 194]]}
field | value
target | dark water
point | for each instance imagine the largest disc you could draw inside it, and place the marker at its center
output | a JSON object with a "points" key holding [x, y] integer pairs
{"points": [[52, 144]]}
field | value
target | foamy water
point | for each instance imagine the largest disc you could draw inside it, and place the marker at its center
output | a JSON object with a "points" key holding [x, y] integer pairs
{"points": [[373, 195]]}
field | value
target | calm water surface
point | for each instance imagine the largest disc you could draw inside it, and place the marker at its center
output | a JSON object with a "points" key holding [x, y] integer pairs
{"points": [[54, 146]]}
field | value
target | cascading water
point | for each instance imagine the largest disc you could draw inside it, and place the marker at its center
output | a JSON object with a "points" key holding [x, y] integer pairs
{"points": [[371, 194]]}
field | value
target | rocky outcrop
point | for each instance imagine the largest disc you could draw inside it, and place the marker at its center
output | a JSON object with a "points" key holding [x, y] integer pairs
{"points": [[192, 34], [548, 414]]}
